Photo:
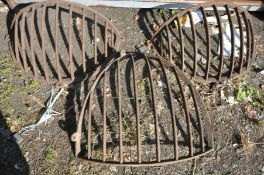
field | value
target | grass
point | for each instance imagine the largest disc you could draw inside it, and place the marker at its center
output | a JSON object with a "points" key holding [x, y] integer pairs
{"points": [[173, 12], [260, 123], [6, 92], [7, 89], [14, 93], [252, 97], [50, 155], [245, 92], [248, 93], [246, 144], [161, 12], [216, 173], [32, 85]]}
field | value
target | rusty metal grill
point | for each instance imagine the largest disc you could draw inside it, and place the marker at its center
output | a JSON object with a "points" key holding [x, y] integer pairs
{"points": [[60, 41], [209, 42], [142, 111]]}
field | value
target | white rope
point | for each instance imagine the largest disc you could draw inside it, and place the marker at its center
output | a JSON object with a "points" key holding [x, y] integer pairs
{"points": [[48, 113]]}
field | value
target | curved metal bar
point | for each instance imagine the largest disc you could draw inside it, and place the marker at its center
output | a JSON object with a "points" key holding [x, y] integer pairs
{"points": [[53, 71], [172, 110], [153, 95], [182, 82], [221, 70]]}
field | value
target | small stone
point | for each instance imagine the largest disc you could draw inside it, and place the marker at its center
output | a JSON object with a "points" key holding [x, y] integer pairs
{"points": [[262, 170], [26, 82], [80, 167], [2, 79], [137, 17], [235, 145]]}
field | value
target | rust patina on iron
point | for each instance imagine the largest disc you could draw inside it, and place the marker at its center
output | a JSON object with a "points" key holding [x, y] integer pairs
{"points": [[61, 41], [139, 110], [199, 48], [142, 111]]}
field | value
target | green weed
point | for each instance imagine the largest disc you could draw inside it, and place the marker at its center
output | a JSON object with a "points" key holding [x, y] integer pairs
{"points": [[216, 173], [50, 155], [173, 12], [244, 92], [161, 12], [33, 85], [260, 123]]}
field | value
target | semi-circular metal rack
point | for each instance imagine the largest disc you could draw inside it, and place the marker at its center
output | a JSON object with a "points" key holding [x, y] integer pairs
{"points": [[61, 41], [209, 42], [142, 111]]}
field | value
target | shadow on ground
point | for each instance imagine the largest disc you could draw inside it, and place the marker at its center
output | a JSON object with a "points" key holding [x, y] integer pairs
{"points": [[12, 160]]}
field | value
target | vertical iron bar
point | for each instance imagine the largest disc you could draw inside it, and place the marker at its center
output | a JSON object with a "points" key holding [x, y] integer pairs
{"points": [[248, 39], [16, 41], [56, 42], [104, 120], [173, 116], [221, 42], [169, 41], [137, 110], [188, 121], [23, 45], [83, 41], [44, 59], [106, 40], [120, 115], [32, 19], [89, 135], [95, 39], [208, 44], [253, 40], [232, 41], [194, 44], [241, 49], [112, 40], [198, 116], [70, 42], [181, 43], [155, 110]]}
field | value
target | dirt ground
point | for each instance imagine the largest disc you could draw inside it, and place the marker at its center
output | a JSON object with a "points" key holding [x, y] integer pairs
{"points": [[238, 124]]}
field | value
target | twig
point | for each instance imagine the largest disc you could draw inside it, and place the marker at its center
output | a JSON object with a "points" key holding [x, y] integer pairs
{"points": [[194, 167], [69, 109], [42, 105], [259, 143]]}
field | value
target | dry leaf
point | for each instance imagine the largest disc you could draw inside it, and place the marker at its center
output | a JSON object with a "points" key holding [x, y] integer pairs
{"points": [[246, 144], [183, 20], [249, 111]]}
